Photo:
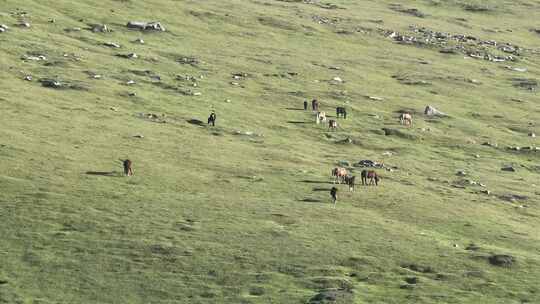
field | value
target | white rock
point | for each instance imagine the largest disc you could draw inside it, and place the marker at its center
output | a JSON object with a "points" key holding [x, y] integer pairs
{"points": [[337, 79], [130, 82]]}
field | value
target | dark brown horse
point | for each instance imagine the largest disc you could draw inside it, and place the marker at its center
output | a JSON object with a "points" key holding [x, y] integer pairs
{"points": [[341, 112], [372, 176], [349, 180], [315, 105], [127, 167]]}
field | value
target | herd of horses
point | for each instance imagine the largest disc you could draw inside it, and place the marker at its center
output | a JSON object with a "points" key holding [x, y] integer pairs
{"points": [[340, 175]]}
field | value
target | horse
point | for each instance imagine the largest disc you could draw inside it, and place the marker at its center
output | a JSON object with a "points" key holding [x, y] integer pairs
{"points": [[339, 174], [372, 176], [341, 112], [332, 124], [305, 105], [315, 105], [127, 167], [349, 180], [321, 117], [405, 119], [212, 119]]}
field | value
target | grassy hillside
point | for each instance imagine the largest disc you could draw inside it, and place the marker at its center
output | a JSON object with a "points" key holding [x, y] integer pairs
{"points": [[240, 212]]}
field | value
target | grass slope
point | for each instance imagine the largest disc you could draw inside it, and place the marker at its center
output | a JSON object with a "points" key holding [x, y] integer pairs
{"points": [[213, 216]]}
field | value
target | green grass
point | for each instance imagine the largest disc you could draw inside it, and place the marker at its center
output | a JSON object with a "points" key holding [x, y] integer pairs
{"points": [[212, 216]]}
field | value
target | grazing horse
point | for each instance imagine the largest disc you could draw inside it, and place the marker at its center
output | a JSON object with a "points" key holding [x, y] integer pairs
{"points": [[321, 117], [333, 194], [405, 119], [349, 180], [371, 175], [212, 119], [341, 112], [315, 105], [332, 124], [127, 167], [339, 174]]}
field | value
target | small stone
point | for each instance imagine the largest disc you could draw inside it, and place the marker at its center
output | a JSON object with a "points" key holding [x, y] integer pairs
{"points": [[132, 94], [138, 136], [477, 156], [114, 109], [227, 100], [455, 245], [337, 79], [132, 56], [28, 77], [461, 173], [97, 76], [52, 20], [24, 24], [139, 40], [197, 94], [532, 135], [130, 82], [487, 192], [3, 26]]}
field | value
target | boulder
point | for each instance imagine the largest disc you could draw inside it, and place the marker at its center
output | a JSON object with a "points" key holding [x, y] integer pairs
{"points": [[508, 169], [146, 26], [433, 112]]}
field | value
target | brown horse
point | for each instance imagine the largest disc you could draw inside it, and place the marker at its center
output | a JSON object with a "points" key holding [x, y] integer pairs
{"points": [[127, 167], [332, 124], [339, 174], [372, 176]]}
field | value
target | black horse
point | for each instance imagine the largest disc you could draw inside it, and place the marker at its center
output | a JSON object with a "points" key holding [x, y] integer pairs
{"points": [[212, 119], [372, 176], [341, 111]]}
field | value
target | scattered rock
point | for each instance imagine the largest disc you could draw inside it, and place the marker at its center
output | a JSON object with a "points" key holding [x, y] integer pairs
{"points": [[337, 79], [130, 82], [461, 173], [344, 163], [412, 280], [73, 29], [513, 197], [51, 83], [522, 70], [472, 247], [375, 98], [432, 111], [112, 44], [139, 41], [369, 164], [146, 26], [99, 28], [508, 169], [502, 260], [138, 136], [24, 24], [28, 77], [532, 134], [34, 58], [3, 28], [332, 296], [490, 144], [128, 56]]}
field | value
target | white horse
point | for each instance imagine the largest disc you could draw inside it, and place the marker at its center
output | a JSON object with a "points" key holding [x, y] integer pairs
{"points": [[321, 117], [405, 119]]}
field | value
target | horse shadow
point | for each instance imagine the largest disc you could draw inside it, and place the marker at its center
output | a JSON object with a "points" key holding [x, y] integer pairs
{"points": [[316, 182], [104, 173], [196, 122], [321, 189], [310, 200]]}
